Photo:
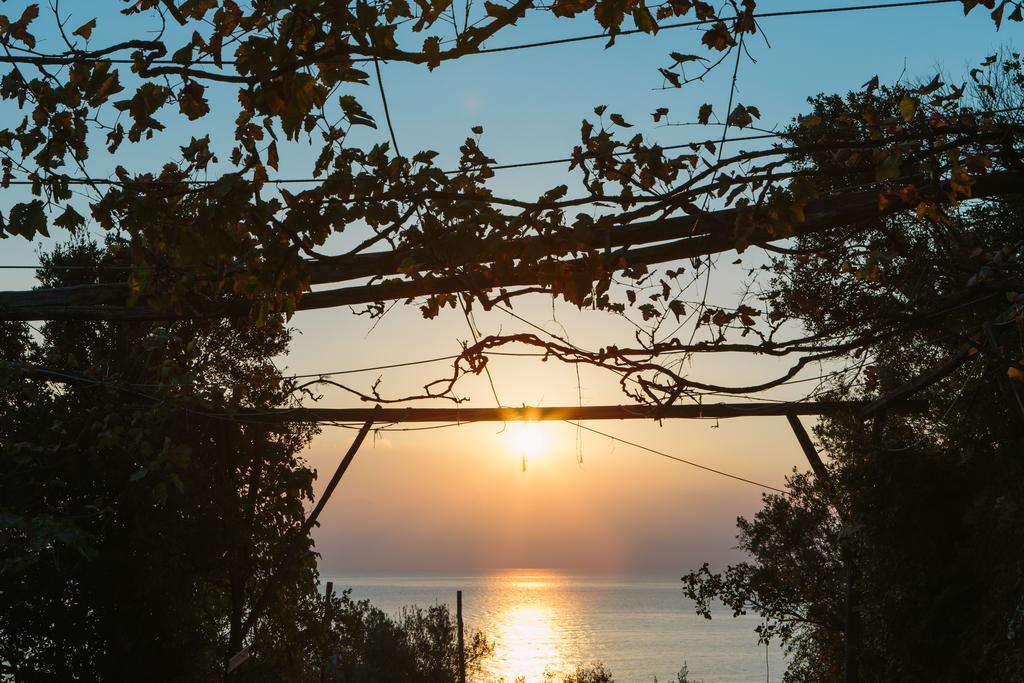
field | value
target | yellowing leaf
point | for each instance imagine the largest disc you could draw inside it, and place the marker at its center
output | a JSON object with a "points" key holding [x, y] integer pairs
{"points": [[70, 220], [671, 77], [934, 85], [680, 58], [908, 107], [888, 169], [191, 101], [644, 20]]}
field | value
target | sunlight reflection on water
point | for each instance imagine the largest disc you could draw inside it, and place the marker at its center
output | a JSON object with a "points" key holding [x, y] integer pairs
{"points": [[533, 629], [526, 642]]}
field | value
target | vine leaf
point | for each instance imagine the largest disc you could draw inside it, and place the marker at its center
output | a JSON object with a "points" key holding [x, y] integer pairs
{"points": [[85, 30]]}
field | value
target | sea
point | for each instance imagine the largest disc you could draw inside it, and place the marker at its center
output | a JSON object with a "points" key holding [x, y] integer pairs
{"points": [[544, 623]]}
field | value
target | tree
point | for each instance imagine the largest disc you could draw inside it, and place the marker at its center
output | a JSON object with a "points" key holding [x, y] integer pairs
{"points": [[137, 531], [902, 563], [584, 673]]}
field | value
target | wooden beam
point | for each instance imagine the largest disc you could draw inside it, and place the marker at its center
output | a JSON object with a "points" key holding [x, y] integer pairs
{"points": [[366, 265], [381, 416], [81, 303]]}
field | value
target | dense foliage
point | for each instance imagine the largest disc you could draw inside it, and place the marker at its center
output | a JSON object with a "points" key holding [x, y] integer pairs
{"points": [[136, 532]]}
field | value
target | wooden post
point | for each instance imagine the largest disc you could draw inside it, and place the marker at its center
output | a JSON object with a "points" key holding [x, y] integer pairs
{"points": [[462, 642], [328, 594]]}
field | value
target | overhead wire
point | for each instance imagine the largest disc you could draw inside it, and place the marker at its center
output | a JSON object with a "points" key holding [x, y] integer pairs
{"points": [[71, 57], [495, 167], [394, 141], [711, 260], [703, 22], [678, 459], [580, 426], [321, 181]]}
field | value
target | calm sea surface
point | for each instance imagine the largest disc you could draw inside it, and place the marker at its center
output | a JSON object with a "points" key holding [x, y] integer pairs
{"points": [[543, 621]]}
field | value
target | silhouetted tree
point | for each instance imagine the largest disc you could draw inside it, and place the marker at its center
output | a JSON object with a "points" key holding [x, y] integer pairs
{"points": [[910, 550], [137, 531]]}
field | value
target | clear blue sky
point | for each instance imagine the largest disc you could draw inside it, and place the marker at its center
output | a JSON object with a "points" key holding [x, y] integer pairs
{"points": [[455, 499]]}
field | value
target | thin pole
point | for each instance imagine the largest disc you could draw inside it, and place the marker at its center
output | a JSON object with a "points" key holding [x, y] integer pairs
{"points": [[328, 594], [462, 642]]}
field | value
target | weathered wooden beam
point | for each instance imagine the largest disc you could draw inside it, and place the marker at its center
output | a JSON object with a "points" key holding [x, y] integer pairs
{"points": [[367, 265], [356, 266], [820, 215], [381, 416]]}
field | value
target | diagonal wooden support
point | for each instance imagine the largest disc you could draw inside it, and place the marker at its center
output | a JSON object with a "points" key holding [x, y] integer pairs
{"points": [[850, 663], [810, 452], [300, 536]]}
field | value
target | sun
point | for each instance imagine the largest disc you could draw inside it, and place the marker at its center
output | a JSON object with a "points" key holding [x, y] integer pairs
{"points": [[529, 439]]}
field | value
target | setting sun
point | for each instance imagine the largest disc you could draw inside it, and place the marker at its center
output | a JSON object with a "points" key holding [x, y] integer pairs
{"points": [[529, 439]]}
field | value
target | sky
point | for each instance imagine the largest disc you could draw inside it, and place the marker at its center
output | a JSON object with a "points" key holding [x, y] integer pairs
{"points": [[456, 499]]}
